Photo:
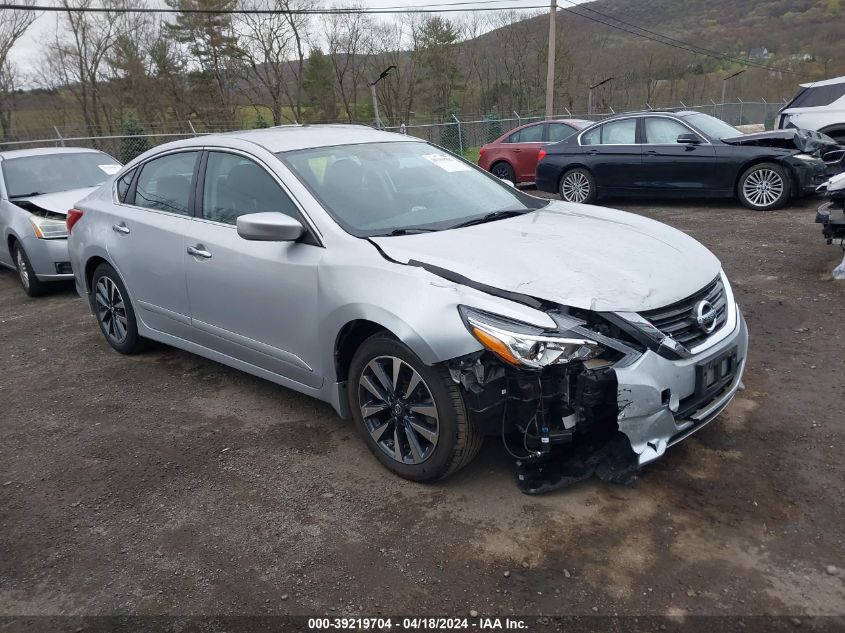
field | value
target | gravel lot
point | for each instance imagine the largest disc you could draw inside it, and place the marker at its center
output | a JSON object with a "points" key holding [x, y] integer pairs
{"points": [[168, 484]]}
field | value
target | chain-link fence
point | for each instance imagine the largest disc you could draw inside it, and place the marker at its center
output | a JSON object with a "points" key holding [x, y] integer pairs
{"points": [[461, 136]]}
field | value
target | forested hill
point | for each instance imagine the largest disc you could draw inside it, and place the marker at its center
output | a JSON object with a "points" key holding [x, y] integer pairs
{"points": [[806, 37]]}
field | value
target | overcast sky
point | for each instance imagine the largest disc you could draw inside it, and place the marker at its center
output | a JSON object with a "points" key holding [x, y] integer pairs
{"points": [[27, 50]]}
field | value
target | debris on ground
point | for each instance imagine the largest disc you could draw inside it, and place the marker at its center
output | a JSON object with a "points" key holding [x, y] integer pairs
{"points": [[612, 461]]}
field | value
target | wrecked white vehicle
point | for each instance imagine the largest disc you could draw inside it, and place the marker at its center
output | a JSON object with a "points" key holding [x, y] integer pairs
{"points": [[418, 294], [37, 187]]}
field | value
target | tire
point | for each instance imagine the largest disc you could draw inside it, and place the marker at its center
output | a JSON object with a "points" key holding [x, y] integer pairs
{"points": [[435, 436], [114, 312], [764, 187], [504, 171], [31, 285], [578, 185]]}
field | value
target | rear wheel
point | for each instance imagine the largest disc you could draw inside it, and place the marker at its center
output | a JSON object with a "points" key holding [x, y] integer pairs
{"points": [[764, 187], [411, 415], [504, 171], [114, 311], [32, 286], [578, 185]]}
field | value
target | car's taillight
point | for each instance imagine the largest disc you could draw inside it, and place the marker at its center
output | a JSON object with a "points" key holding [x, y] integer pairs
{"points": [[541, 154], [481, 151], [73, 216]]}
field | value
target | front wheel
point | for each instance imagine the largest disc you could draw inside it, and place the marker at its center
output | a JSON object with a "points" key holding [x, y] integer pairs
{"points": [[114, 312], [578, 185], [764, 187], [32, 286], [411, 415]]}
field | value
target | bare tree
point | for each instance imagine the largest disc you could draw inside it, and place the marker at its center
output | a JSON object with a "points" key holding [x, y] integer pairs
{"points": [[13, 25], [76, 56], [274, 48], [347, 35]]}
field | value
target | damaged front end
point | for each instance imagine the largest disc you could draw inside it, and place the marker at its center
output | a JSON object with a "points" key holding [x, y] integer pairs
{"points": [[804, 144], [604, 393]]}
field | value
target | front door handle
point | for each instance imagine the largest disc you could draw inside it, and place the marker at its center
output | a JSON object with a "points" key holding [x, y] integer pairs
{"points": [[651, 152], [199, 251], [120, 228]]}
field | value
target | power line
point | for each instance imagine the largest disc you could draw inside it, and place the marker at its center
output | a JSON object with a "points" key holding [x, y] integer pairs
{"points": [[666, 40], [430, 8]]}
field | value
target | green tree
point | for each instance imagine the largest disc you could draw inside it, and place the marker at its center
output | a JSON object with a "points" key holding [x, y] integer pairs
{"points": [[453, 137], [134, 142], [437, 54], [211, 42], [318, 84], [492, 127], [260, 122]]}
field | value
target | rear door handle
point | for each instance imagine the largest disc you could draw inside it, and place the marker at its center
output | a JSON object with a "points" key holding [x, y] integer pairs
{"points": [[120, 228], [199, 251], [651, 152]]}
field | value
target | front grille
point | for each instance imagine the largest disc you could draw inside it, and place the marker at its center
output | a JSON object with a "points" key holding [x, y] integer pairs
{"points": [[678, 320]]}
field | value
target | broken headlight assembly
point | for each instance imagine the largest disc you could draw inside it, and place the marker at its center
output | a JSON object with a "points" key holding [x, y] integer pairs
{"points": [[522, 344], [47, 228]]}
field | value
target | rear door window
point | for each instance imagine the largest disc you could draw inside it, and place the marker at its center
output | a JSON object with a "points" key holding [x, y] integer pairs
{"points": [[622, 132], [164, 183], [123, 184], [818, 96], [559, 132], [531, 134]]}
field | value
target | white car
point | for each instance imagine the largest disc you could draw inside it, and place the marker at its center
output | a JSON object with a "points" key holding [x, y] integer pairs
{"points": [[818, 106]]}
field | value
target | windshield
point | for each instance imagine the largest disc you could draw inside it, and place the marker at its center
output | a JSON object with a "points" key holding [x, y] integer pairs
{"points": [[711, 127], [395, 187], [49, 173]]}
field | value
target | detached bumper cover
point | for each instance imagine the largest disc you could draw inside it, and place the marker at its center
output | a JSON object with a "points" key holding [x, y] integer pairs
{"points": [[653, 389]]}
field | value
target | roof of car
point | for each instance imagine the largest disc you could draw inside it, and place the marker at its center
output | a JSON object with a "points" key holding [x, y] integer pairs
{"points": [[42, 151], [620, 115], [287, 138], [826, 82]]}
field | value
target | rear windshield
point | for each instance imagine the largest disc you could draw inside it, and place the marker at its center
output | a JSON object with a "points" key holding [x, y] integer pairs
{"points": [[818, 96], [49, 173]]}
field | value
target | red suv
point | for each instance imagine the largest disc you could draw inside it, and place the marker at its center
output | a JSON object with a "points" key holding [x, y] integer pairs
{"points": [[513, 156]]}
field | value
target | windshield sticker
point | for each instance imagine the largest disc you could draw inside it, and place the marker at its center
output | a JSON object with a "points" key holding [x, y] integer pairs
{"points": [[446, 162], [110, 170]]}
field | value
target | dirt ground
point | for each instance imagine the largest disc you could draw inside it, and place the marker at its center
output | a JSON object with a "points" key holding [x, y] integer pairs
{"points": [[168, 484]]}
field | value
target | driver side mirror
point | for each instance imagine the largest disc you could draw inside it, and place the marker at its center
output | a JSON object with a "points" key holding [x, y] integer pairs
{"points": [[269, 227], [689, 139]]}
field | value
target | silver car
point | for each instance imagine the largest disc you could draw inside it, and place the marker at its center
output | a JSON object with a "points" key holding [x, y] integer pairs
{"points": [[37, 188], [416, 293]]}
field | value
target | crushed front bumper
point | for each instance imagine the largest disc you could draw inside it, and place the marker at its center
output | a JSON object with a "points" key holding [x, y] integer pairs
{"points": [[661, 401]]}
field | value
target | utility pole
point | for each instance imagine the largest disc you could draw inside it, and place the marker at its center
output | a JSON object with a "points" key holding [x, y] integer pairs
{"points": [[383, 74], [550, 66], [590, 96], [724, 84]]}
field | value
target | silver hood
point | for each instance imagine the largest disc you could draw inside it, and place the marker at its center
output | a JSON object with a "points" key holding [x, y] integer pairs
{"points": [[58, 202], [576, 255]]}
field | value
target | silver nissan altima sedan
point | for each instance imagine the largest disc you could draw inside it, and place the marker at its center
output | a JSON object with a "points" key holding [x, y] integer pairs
{"points": [[416, 293]]}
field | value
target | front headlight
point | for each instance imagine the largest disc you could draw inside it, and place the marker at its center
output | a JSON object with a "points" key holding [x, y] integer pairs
{"points": [[808, 158], [48, 228], [522, 344]]}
